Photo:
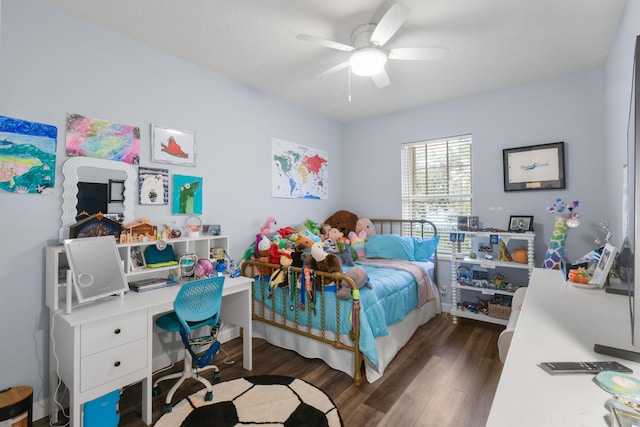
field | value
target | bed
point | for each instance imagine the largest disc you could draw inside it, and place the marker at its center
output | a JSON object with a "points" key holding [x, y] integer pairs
{"points": [[375, 323]]}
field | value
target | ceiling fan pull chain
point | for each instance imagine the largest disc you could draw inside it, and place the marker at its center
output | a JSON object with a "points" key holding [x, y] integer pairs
{"points": [[349, 85]]}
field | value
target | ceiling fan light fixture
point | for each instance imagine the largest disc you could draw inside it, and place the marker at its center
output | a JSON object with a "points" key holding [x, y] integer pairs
{"points": [[368, 61]]}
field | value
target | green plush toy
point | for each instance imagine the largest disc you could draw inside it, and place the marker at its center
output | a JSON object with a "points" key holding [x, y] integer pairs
{"points": [[312, 227]]}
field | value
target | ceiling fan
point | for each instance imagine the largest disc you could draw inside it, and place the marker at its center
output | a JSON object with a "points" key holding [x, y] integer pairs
{"points": [[369, 54]]}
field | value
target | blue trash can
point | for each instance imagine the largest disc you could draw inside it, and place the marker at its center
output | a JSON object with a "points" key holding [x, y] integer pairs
{"points": [[103, 411]]}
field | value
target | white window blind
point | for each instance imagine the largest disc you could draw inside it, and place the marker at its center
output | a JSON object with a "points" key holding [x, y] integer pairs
{"points": [[436, 182]]}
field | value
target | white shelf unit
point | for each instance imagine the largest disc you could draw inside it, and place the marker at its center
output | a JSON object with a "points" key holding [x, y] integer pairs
{"points": [[458, 290], [57, 265]]}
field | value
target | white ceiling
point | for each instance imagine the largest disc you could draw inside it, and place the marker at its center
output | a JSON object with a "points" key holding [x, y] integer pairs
{"points": [[493, 44]]}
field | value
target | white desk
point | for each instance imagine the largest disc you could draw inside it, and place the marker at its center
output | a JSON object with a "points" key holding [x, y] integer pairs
{"points": [[109, 345], [559, 322]]}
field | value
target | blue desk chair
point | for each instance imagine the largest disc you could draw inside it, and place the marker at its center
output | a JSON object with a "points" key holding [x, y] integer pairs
{"points": [[197, 305]]}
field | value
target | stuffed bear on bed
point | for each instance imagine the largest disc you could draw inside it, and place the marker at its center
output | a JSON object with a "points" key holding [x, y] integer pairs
{"points": [[344, 221]]}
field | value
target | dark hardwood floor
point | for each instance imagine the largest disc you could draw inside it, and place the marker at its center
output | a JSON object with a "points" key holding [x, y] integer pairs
{"points": [[446, 375]]}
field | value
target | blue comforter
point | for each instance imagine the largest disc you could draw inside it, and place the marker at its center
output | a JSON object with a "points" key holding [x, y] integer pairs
{"points": [[393, 294]]}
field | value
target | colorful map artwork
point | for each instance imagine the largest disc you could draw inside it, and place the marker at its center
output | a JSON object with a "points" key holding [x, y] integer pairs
{"points": [[102, 139], [298, 172], [27, 156]]}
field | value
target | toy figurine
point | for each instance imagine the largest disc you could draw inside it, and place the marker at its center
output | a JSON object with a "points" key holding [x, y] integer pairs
{"points": [[565, 217]]}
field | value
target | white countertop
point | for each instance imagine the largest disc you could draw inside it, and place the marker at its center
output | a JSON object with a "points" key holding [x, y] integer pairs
{"points": [[559, 322]]}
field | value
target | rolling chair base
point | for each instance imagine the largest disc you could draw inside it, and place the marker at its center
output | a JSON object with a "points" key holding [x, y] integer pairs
{"points": [[188, 372]]}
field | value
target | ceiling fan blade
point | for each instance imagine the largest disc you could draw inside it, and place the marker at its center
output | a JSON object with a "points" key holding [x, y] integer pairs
{"points": [[333, 69], [389, 24], [326, 43], [381, 79], [418, 53]]}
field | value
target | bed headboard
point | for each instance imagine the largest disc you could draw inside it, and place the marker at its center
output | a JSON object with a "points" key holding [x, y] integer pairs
{"points": [[421, 228], [405, 227]]}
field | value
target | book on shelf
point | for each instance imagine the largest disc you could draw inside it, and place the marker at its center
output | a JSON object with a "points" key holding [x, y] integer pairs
{"points": [[149, 284]]}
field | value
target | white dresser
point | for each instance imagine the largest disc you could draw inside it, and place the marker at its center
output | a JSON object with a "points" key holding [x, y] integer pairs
{"points": [[559, 322]]}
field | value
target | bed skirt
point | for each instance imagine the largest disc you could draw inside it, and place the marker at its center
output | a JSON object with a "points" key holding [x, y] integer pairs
{"points": [[342, 360]]}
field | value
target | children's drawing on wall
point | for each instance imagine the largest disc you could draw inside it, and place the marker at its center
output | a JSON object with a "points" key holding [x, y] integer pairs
{"points": [[298, 172], [177, 147], [102, 139], [187, 195], [27, 156], [153, 186]]}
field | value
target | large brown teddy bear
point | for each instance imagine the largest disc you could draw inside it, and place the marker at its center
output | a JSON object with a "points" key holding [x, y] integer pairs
{"points": [[344, 221]]}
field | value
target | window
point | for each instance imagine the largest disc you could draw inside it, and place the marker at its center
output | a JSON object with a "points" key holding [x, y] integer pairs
{"points": [[436, 182]]}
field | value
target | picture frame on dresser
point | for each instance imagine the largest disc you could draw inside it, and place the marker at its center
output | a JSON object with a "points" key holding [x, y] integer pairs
{"points": [[534, 167], [136, 259], [605, 262], [520, 223]]}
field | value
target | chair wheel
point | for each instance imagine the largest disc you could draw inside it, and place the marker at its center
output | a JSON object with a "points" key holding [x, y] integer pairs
{"points": [[208, 397], [166, 408], [155, 392], [216, 376]]}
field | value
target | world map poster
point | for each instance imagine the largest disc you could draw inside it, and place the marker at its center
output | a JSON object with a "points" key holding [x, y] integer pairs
{"points": [[298, 172]]}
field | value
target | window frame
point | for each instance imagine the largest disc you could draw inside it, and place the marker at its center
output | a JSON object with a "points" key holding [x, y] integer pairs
{"points": [[412, 184]]}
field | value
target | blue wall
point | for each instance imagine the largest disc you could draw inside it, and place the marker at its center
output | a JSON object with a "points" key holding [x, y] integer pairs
{"points": [[51, 64]]}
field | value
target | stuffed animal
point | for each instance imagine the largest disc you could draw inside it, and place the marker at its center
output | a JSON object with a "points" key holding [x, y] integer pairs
{"points": [[344, 252], [303, 230], [262, 246], [323, 261], [334, 234], [357, 242], [313, 227], [365, 224], [303, 242], [285, 231], [359, 275], [279, 277], [269, 228], [344, 221]]}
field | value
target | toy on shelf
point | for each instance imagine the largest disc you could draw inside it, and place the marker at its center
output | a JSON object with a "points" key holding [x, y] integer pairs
{"points": [[193, 224], [138, 231], [503, 253], [204, 268], [579, 275], [566, 217]]}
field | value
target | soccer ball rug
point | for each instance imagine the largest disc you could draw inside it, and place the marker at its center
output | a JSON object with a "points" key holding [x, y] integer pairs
{"points": [[259, 400]]}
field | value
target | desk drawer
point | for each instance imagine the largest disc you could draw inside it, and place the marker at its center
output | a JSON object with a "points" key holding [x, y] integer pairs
{"points": [[112, 364], [112, 332]]}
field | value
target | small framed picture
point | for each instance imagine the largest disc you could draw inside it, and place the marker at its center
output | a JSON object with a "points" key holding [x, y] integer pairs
{"points": [[604, 265], [536, 167], [136, 259], [468, 222], [176, 147], [153, 186], [520, 223], [211, 229]]}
